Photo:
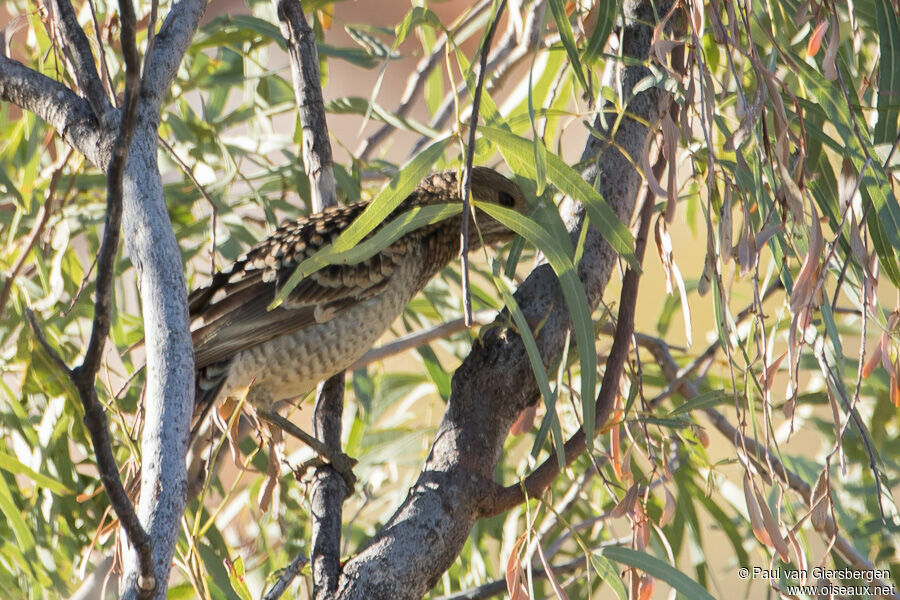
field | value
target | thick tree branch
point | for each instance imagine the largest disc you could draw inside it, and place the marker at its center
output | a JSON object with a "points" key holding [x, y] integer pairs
{"points": [[540, 479], [76, 44], [329, 488], [83, 376], [68, 113], [496, 382], [168, 48], [301, 46], [151, 245]]}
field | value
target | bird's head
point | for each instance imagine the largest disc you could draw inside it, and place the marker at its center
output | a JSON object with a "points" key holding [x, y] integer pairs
{"points": [[491, 187]]}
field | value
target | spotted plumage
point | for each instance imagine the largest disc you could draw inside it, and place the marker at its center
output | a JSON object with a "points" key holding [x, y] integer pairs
{"points": [[335, 314]]}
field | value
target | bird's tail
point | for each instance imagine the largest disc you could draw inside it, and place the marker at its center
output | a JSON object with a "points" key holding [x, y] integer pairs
{"points": [[209, 382]]}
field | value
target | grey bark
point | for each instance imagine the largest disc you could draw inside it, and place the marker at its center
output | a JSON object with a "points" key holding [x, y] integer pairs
{"points": [[151, 245], [422, 539], [427, 532]]}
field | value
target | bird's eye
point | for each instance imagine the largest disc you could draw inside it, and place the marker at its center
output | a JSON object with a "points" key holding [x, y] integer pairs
{"points": [[506, 199]]}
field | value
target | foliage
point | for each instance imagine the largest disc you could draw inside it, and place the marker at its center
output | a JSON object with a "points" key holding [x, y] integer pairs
{"points": [[793, 144]]}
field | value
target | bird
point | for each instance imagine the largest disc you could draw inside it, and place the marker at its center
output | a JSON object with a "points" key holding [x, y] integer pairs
{"points": [[334, 315]]}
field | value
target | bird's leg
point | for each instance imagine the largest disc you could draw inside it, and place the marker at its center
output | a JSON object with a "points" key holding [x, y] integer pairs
{"points": [[342, 463]]}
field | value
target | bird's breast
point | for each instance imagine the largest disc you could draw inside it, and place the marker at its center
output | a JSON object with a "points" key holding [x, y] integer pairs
{"points": [[291, 365]]}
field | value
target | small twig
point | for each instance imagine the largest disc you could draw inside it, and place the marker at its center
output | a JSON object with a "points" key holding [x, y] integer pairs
{"points": [[287, 576], [215, 210], [106, 77], [467, 174], [420, 338], [48, 349], [852, 414], [39, 223], [83, 376], [340, 461], [688, 370], [151, 38], [414, 85]]}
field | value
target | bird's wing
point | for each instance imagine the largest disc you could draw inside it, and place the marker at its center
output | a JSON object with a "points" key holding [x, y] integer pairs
{"points": [[230, 313]]}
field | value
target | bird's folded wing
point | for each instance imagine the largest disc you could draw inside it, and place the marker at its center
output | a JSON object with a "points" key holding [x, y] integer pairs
{"points": [[231, 313]]}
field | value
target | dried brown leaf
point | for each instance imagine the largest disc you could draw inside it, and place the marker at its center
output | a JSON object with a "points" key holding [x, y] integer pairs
{"points": [[524, 422], [669, 150], [515, 575], [673, 273], [645, 588], [772, 528], [820, 506], [668, 509], [771, 371], [753, 511], [551, 577], [625, 506], [815, 40]]}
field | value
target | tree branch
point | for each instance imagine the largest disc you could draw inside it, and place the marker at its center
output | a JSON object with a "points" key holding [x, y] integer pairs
{"points": [[414, 85], [329, 489], [470, 157], [420, 338], [540, 479], [75, 43], [83, 376], [67, 112], [287, 576], [495, 382], [168, 48], [301, 46]]}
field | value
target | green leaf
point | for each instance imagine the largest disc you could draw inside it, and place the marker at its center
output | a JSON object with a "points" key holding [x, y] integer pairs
{"points": [[411, 220], [656, 568], [540, 373], [9, 464], [519, 154], [415, 17], [236, 577], [606, 12], [488, 107], [608, 572], [568, 39], [401, 186], [540, 151], [15, 521], [573, 291], [701, 402], [888, 73]]}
